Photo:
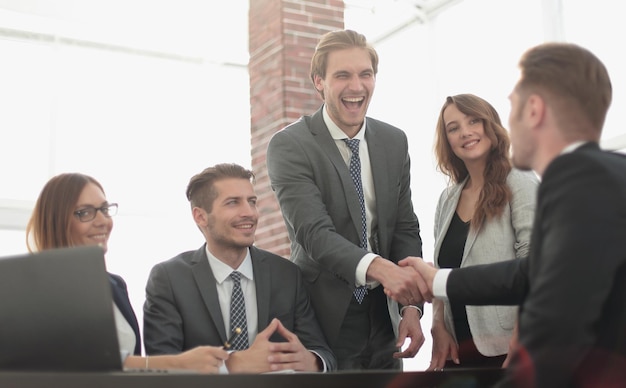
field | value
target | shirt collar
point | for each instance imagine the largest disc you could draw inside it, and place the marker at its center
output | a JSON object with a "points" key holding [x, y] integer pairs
{"points": [[573, 146], [336, 132], [221, 270]]}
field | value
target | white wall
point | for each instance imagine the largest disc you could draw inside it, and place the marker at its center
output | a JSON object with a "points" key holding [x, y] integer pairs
{"points": [[140, 94]]}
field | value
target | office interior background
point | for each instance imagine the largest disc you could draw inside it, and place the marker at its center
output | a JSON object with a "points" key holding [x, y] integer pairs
{"points": [[143, 94]]}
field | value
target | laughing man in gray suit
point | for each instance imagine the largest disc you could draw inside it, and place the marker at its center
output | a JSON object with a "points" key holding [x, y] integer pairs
{"points": [[350, 225], [188, 298]]}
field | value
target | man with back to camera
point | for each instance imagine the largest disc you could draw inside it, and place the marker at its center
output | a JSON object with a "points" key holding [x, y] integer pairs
{"points": [[572, 287], [343, 184]]}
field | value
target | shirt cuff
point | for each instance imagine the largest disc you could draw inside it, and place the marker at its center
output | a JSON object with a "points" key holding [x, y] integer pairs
{"points": [[439, 283], [324, 369], [419, 310], [361, 271], [223, 370]]}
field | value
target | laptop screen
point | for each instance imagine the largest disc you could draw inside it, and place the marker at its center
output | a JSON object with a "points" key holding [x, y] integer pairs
{"points": [[56, 312]]}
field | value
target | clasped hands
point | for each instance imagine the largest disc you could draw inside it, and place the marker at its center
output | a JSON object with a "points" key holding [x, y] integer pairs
{"points": [[416, 283], [266, 356]]}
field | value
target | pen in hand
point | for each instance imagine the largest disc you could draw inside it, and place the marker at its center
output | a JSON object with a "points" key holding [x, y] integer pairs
{"points": [[230, 340]]}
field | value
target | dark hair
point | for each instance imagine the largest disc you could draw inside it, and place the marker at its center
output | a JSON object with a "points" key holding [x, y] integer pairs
{"points": [[49, 224], [200, 190], [575, 83], [338, 40], [495, 193]]}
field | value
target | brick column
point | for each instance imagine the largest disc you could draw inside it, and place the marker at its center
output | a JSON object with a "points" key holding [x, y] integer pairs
{"points": [[282, 38]]}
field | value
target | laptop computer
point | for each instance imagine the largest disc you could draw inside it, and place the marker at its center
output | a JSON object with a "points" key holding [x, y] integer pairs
{"points": [[56, 312]]}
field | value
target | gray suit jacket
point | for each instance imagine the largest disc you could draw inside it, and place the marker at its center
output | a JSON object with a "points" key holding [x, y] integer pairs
{"points": [[497, 240], [321, 209], [182, 311]]}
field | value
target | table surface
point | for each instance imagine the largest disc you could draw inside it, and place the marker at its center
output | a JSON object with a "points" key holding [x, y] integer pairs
{"points": [[156, 379]]}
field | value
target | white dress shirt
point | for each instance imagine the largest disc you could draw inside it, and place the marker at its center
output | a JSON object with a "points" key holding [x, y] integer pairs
{"points": [[224, 284], [125, 334], [368, 188]]}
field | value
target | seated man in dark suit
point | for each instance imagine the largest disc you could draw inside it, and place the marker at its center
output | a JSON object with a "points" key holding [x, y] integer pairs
{"points": [[572, 287], [201, 297]]}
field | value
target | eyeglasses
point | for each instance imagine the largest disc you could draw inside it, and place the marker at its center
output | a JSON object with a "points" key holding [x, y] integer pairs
{"points": [[88, 213]]}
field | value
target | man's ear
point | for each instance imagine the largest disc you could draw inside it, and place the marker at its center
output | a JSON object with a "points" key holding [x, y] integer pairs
{"points": [[535, 110], [318, 82], [200, 216]]}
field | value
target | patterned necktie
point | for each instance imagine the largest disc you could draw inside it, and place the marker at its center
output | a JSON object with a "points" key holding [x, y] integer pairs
{"points": [[355, 173], [238, 314]]}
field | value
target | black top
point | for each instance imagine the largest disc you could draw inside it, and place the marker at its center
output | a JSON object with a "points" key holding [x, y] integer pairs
{"points": [[450, 256]]}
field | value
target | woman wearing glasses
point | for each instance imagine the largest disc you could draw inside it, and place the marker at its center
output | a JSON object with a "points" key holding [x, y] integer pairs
{"points": [[72, 210]]}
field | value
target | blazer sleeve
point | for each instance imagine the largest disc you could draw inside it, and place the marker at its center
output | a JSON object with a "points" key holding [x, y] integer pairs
{"points": [[437, 221], [440, 215], [163, 326], [405, 239], [523, 205], [502, 283], [307, 328]]}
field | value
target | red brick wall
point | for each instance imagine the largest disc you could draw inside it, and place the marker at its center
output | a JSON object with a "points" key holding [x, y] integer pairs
{"points": [[282, 38]]}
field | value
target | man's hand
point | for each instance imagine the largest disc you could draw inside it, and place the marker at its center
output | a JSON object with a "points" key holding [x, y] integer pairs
{"points": [[291, 354], [399, 283], [410, 327], [424, 275], [265, 356], [204, 359], [255, 358]]}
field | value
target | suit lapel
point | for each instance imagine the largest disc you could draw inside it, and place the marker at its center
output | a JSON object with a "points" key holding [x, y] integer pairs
{"points": [[205, 281], [262, 281], [448, 211], [327, 144], [120, 298], [471, 238], [378, 164]]}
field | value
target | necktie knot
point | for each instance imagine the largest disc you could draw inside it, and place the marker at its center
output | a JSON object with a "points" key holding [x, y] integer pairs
{"points": [[236, 276], [353, 144]]}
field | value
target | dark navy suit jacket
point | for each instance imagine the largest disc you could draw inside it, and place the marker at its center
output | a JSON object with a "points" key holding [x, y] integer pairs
{"points": [[120, 297]]}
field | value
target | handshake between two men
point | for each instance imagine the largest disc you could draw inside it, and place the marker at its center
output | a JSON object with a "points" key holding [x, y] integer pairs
{"points": [[418, 287]]}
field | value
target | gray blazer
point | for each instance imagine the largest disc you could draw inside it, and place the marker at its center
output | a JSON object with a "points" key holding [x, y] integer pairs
{"points": [[182, 311], [497, 240], [321, 209]]}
